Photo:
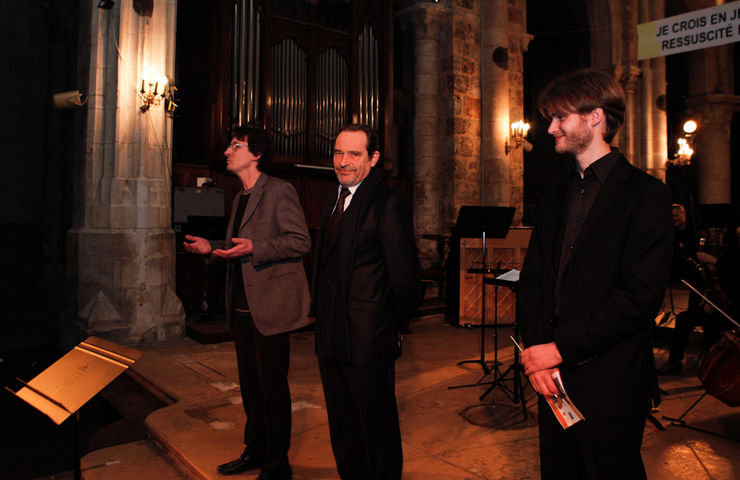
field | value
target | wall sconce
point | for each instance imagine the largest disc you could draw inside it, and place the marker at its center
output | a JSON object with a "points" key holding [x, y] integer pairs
{"points": [[518, 137], [153, 90], [685, 152]]}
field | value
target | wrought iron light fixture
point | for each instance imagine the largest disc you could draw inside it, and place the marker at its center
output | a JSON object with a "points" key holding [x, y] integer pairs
{"points": [[153, 89]]}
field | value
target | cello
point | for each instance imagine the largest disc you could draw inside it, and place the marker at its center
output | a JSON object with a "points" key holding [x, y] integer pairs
{"points": [[719, 369]]}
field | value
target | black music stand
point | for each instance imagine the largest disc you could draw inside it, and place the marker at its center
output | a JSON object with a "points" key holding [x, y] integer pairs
{"points": [[516, 393], [473, 221]]}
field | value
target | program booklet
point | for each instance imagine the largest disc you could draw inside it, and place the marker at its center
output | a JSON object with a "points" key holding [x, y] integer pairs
{"points": [[562, 406]]}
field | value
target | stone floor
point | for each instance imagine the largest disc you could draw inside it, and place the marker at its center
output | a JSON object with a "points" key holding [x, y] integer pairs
{"points": [[448, 434]]}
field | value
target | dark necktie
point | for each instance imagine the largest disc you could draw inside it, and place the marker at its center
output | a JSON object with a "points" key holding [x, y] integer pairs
{"points": [[338, 210]]}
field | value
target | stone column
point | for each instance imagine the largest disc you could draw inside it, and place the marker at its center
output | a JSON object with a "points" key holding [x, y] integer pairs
{"points": [[496, 178], [712, 101], [653, 148], [658, 147], [628, 76], [712, 156], [426, 20], [121, 251], [502, 43]]}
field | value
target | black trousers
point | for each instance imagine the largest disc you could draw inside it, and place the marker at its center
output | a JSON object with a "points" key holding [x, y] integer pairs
{"points": [[263, 376], [363, 420], [593, 449], [713, 324]]}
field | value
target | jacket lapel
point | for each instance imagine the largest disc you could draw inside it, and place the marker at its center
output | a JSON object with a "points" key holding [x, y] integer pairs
{"points": [[348, 224], [327, 243]]}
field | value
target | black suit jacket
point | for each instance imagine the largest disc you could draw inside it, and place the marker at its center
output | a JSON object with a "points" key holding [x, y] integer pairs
{"points": [[611, 290], [366, 277]]}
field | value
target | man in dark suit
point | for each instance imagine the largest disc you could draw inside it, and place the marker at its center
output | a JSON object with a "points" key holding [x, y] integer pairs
{"points": [[266, 297], [592, 282], [365, 285]]}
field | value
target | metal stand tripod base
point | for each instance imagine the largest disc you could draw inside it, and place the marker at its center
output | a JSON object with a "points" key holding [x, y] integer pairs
{"points": [[487, 370], [483, 363], [476, 384], [679, 422], [515, 394], [656, 423], [482, 360]]}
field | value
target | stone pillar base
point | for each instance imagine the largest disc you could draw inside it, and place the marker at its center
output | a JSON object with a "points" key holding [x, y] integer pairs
{"points": [[124, 284]]}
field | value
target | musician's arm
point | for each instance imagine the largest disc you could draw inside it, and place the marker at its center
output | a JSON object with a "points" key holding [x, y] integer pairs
{"points": [[705, 257]]}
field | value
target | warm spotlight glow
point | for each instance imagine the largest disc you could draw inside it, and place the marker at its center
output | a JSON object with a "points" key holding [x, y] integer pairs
{"points": [[689, 127], [518, 133], [684, 150], [153, 88], [519, 129]]}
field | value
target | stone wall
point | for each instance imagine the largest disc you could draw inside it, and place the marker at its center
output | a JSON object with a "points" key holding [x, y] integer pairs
{"points": [[461, 89], [518, 43], [462, 121]]}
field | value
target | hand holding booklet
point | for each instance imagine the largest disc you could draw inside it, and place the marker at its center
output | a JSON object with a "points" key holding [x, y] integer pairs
{"points": [[562, 406]]}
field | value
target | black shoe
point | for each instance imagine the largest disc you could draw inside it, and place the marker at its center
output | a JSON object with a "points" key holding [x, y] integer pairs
{"points": [[670, 368], [242, 464], [280, 473]]}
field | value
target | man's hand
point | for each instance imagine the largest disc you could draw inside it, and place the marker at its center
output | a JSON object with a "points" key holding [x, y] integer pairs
{"points": [[242, 247], [197, 245], [540, 357], [543, 383]]}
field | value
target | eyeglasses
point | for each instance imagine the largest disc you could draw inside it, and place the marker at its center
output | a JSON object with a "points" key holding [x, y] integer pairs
{"points": [[235, 145]]}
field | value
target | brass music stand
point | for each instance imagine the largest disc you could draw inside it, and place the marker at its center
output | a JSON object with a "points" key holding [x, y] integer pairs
{"points": [[62, 389]]}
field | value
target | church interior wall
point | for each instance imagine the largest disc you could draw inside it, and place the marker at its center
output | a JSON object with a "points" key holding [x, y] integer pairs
{"points": [[45, 152]]}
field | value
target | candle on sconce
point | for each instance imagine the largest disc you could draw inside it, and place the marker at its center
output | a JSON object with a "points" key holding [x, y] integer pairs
{"points": [[519, 129], [150, 89]]}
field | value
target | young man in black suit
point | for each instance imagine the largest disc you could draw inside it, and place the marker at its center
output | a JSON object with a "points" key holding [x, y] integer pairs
{"points": [[592, 282], [365, 286]]}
